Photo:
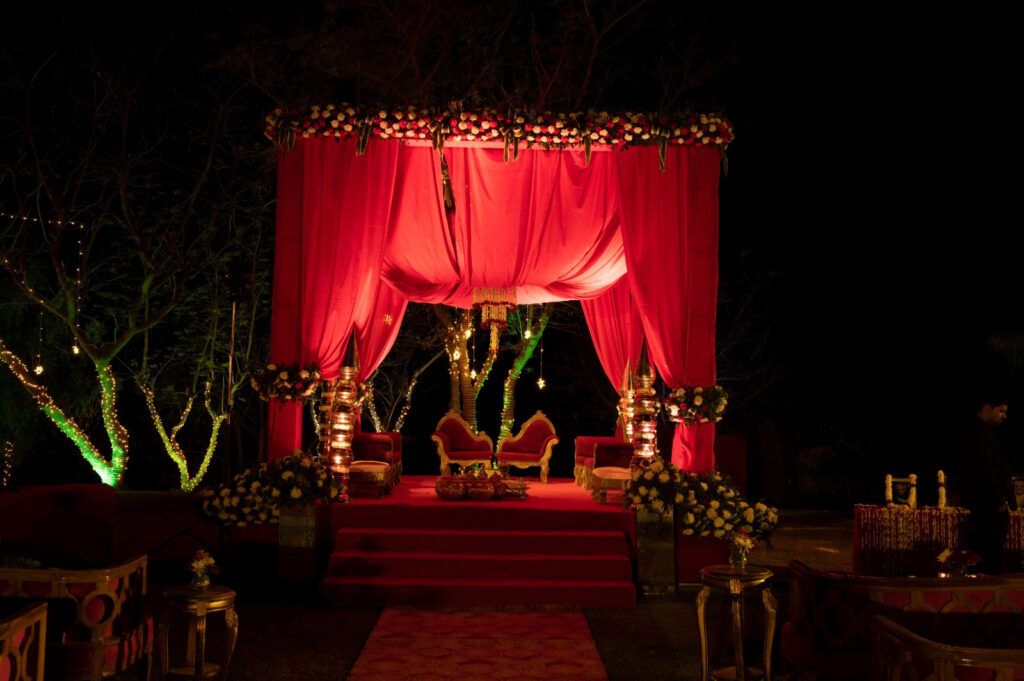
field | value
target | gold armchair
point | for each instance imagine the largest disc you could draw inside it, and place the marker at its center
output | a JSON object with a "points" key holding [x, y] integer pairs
{"points": [[456, 442]]}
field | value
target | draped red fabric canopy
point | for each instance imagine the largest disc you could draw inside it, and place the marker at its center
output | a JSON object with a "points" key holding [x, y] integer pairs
{"points": [[358, 236]]}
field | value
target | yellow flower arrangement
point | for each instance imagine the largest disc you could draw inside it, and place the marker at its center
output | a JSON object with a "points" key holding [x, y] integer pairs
{"points": [[256, 495]]}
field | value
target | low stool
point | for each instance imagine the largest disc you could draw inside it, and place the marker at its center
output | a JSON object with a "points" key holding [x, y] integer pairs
{"points": [[369, 479]]}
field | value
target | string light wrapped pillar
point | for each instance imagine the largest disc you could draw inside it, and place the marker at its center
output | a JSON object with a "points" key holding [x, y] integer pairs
{"points": [[344, 411], [645, 414]]}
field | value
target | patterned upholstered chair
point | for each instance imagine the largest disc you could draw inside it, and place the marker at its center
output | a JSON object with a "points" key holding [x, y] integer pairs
{"points": [[457, 443], [96, 625], [386, 447], [532, 446], [23, 643]]}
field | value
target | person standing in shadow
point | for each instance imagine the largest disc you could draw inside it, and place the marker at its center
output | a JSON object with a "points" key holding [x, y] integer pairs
{"points": [[985, 483]]}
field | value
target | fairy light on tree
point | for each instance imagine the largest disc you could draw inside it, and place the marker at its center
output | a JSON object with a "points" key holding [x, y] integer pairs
{"points": [[540, 378], [39, 348], [108, 470], [6, 463], [170, 439], [528, 318]]}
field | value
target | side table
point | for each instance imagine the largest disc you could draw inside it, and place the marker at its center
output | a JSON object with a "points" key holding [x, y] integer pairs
{"points": [[736, 580], [197, 603], [605, 478]]}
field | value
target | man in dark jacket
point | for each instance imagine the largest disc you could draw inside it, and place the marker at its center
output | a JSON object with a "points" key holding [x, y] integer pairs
{"points": [[985, 483]]}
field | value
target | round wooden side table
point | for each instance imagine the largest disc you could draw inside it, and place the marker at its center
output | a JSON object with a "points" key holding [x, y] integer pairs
{"points": [[197, 603], [605, 478], [736, 580]]}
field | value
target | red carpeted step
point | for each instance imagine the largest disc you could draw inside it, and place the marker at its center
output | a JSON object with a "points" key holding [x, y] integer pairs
{"points": [[349, 591], [412, 540], [599, 566]]}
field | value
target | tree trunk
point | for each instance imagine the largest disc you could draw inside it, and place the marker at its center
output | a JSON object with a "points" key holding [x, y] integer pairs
{"points": [[526, 349]]}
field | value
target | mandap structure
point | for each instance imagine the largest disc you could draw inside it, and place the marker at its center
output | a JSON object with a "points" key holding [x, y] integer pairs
{"points": [[379, 208]]}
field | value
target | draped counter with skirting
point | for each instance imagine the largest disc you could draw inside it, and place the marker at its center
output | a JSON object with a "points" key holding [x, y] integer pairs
{"points": [[899, 541]]}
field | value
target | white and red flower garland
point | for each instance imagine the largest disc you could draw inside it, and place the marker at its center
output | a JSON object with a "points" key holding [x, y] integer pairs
{"points": [[287, 382], [546, 129], [693, 404]]}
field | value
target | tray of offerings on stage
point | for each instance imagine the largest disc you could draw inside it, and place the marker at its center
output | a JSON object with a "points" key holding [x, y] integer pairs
{"points": [[478, 486]]}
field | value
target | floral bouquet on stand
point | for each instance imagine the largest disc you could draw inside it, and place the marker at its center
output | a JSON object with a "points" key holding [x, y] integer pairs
{"points": [[202, 566], [696, 404], [287, 382], [653, 487], [740, 546]]}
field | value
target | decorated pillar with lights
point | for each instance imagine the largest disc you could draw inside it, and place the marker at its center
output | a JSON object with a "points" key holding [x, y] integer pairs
{"points": [[625, 406], [645, 412], [341, 404]]}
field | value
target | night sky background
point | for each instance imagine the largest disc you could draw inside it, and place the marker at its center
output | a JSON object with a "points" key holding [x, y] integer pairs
{"points": [[867, 196]]}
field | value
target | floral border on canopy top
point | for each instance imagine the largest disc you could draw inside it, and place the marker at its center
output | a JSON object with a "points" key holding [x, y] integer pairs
{"points": [[548, 130], [285, 382], [692, 404]]}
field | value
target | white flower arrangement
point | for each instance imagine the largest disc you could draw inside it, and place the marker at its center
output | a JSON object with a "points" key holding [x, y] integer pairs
{"points": [[288, 382], [696, 404]]}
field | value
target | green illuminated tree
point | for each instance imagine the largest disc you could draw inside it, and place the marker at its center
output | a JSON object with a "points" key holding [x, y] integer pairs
{"points": [[125, 182], [527, 325]]}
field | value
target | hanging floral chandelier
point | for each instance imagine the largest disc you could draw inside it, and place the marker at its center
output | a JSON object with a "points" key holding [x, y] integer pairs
{"points": [[494, 303]]}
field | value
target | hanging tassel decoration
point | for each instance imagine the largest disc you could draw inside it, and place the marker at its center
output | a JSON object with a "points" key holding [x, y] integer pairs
{"points": [[446, 183], [363, 136]]}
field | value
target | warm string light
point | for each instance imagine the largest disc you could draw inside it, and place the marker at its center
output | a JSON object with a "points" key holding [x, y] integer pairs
{"points": [[6, 463], [78, 286], [39, 348], [540, 380], [25, 218]]}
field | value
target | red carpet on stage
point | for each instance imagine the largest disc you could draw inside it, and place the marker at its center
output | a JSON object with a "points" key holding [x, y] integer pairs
{"points": [[473, 645], [556, 547]]}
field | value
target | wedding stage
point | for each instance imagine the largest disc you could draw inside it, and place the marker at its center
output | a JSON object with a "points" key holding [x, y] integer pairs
{"points": [[556, 547]]}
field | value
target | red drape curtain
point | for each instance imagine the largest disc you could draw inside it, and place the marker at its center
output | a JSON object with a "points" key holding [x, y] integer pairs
{"points": [[545, 223], [377, 329], [358, 236], [333, 210], [615, 328], [670, 230]]}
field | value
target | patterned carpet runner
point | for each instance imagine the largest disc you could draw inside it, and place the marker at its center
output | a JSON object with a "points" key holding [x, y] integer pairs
{"points": [[478, 645]]}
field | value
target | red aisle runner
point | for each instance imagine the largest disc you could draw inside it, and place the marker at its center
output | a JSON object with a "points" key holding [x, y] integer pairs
{"points": [[479, 645]]}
